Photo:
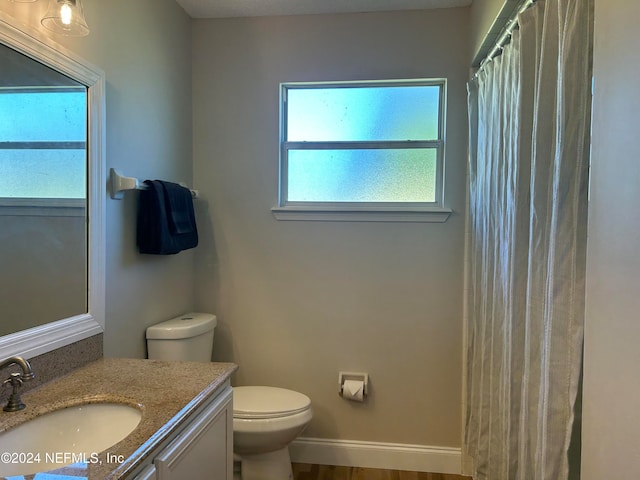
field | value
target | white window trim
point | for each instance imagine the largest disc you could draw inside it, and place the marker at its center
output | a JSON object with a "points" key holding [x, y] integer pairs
{"points": [[433, 212], [363, 214], [42, 207]]}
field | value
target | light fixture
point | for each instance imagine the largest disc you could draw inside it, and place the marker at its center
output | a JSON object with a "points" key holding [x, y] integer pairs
{"points": [[66, 17]]}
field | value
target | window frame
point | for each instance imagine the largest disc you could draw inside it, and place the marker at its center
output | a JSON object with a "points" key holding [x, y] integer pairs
{"points": [[362, 211]]}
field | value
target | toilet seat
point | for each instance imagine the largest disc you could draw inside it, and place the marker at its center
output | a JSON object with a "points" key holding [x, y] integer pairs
{"points": [[258, 402]]}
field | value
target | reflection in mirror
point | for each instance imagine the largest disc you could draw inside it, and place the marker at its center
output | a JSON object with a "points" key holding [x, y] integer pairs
{"points": [[43, 165], [52, 189]]}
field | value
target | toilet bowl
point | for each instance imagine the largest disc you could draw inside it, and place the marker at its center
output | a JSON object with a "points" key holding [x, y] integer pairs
{"points": [[265, 419]]}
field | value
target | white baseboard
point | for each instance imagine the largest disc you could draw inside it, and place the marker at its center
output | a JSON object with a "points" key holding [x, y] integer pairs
{"points": [[389, 456]]}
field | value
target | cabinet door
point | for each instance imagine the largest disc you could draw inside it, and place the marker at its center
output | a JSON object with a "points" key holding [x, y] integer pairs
{"points": [[204, 450], [149, 473]]}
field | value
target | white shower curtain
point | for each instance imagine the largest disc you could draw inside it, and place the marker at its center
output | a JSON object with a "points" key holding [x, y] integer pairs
{"points": [[529, 113]]}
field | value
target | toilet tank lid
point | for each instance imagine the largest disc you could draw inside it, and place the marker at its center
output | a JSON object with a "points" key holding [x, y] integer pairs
{"points": [[185, 326]]}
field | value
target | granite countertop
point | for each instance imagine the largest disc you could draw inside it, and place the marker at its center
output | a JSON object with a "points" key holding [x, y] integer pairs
{"points": [[166, 393]]}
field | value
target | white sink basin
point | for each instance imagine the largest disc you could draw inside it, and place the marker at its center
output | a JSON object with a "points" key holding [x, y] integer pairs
{"points": [[67, 436]]}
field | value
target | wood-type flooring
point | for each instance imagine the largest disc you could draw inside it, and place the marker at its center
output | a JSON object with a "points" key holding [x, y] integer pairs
{"points": [[327, 472]]}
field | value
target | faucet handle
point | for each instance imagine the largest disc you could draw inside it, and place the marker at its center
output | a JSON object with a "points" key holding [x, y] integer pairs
{"points": [[15, 380], [15, 402]]}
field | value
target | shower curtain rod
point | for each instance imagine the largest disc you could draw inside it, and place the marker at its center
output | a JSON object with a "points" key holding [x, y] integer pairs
{"points": [[505, 35]]}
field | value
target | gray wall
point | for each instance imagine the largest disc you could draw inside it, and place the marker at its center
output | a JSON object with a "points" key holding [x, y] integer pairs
{"points": [[483, 15], [611, 420], [299, 301], [43, 259], [144, 48]]}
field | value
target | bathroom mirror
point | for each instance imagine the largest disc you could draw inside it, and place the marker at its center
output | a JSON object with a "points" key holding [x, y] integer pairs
{"points": [[51, 195]]}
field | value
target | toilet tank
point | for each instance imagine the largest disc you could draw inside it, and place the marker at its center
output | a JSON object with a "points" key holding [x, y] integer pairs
{"points": [[188, 337]]}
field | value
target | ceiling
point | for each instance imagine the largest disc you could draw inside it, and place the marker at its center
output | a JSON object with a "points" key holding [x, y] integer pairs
{"points": [[256, 8]]}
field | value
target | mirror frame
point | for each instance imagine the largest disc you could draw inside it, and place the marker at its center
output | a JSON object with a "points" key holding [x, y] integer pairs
{"points": [[45, 338]]}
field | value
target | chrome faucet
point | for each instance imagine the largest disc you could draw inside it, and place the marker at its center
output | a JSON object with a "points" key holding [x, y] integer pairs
{"points": [[15, 381]]}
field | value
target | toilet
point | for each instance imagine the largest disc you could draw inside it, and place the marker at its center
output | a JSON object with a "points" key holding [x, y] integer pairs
{"points": [[265, 419]]}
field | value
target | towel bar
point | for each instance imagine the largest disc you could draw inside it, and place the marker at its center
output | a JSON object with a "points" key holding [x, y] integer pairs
{"points": [[118, 184]]}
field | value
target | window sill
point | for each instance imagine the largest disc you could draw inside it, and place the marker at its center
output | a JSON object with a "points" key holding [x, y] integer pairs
{"points": [[363, 214]]}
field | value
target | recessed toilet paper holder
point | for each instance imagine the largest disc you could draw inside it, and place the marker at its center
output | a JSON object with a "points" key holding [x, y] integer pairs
{"points": [[357, 376]]}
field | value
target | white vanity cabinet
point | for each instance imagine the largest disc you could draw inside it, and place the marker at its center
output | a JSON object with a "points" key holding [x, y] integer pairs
{"points": [[202, 449], [149, 473]]}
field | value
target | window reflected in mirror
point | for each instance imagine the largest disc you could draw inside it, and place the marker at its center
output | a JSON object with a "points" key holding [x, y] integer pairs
{"points": [[43, 142], [43, 192]]}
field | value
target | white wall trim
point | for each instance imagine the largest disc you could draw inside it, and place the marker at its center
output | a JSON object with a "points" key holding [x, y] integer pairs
{"points": [[390, 456]]}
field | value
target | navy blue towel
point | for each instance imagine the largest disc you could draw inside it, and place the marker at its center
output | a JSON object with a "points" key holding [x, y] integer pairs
{"points": [[166, 220]]}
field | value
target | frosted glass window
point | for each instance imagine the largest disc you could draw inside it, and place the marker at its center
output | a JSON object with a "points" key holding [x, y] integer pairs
{"points": [[406, 175], [362, 143], [43, 173], [43, 116], [363, 113], [43, 143]]}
